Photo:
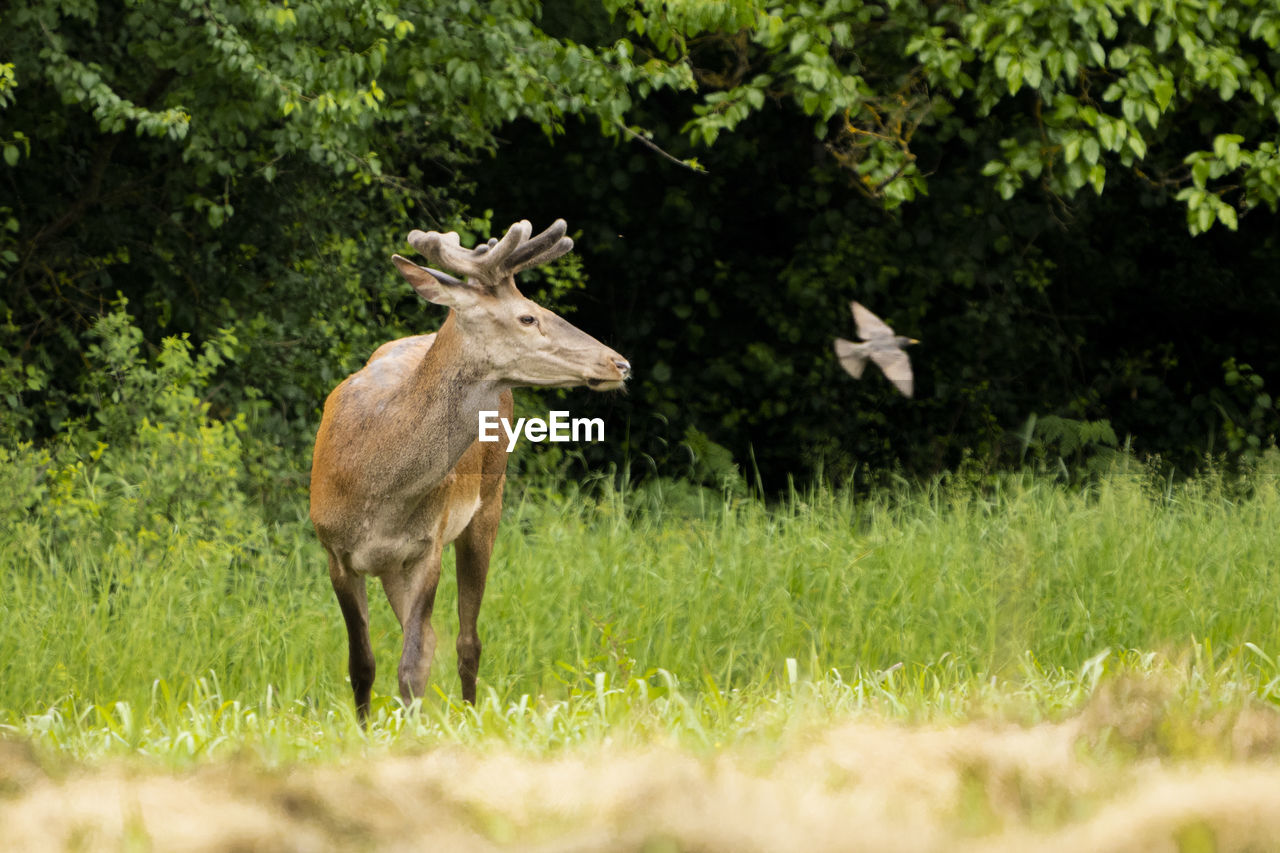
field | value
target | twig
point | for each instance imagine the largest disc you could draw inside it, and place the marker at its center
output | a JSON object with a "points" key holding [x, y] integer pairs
{"points": [[654, 147]]}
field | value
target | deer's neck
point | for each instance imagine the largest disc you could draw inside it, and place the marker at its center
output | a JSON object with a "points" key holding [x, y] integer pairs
{"points": [[446, 394]]}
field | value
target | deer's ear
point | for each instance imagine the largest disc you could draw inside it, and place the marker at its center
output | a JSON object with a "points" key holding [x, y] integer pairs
{"points": [[433, 285]]}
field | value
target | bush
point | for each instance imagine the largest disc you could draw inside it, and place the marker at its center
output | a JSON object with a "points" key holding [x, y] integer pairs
{"points": [[146, 463]]}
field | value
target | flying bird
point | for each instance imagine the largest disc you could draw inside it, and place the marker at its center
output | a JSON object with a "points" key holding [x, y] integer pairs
{"points": [[880, 345]]}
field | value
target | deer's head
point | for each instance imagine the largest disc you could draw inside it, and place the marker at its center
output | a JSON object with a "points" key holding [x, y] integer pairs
{"points": [[512, 339]]}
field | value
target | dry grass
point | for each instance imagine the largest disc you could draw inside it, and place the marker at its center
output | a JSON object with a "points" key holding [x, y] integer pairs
{"points": [[1112, 777]]}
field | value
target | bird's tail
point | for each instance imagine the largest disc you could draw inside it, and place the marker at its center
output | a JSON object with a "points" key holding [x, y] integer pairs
{"points": [[852, 358]]}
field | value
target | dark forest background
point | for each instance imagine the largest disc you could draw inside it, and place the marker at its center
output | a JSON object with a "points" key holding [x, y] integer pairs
{"points": [[1073, 210]]}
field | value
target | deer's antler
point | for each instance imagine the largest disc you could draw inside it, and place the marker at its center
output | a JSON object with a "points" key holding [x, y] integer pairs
{"points": [[497, 260]]}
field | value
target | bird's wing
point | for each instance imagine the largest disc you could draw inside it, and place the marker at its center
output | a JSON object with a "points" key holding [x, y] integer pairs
{"points": [[897, 367], [869, 325], [852, 358]]}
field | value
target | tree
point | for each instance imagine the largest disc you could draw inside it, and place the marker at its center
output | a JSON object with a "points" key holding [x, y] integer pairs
{"points": [[728, 286], [223, 164], [250, 167], [1180, 93]]}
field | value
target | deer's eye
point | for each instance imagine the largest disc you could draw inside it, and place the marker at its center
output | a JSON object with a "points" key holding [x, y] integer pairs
{"points": [[528, 320]]}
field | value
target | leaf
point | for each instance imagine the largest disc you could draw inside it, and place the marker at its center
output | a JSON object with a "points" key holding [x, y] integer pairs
{"points": [[1200, 173], [1227, 216], [1098, 177], [11, 155], [1033, 74], [1091, 150], [1106, 133], [1225, 139], [1204, 218], [1014, 77]]}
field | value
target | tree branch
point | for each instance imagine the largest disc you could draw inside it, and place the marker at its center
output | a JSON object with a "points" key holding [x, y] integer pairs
{"points": [[654, 147]]}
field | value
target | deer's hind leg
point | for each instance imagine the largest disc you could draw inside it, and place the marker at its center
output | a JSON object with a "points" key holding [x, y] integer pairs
{"points": [[349, 588], [473, 549]]}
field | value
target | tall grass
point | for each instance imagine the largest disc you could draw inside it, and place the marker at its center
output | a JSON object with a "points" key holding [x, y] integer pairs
{"points": [[644, 612]]}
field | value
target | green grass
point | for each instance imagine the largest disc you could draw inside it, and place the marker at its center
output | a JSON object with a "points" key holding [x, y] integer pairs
{"points": [[642, 616]]}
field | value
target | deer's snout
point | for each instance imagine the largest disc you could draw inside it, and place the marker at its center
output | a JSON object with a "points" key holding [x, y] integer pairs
{"points": [[616, 370]]}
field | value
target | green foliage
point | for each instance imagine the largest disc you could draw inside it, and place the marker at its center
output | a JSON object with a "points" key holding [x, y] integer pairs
{"points": [[239, 91], [1250, 420], [263, 190], [224, 165], [1078, 445], [20, 385], [712, 465], [1080, 90], [726, 288], [147, 469]]}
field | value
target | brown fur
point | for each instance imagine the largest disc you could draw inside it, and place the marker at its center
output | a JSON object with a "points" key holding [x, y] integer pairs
{"points": [[359, 472], [398, 472]]}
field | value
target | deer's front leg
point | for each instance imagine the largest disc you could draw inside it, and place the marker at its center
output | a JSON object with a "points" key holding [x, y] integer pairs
{"points": [[350, 591], [412, 596]]}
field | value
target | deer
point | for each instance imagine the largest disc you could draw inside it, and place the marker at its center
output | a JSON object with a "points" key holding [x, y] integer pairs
{"points": [[398, 471]]}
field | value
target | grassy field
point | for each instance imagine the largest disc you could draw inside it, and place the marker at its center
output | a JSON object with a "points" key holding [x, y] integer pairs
{"points": [[993, 666]]}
